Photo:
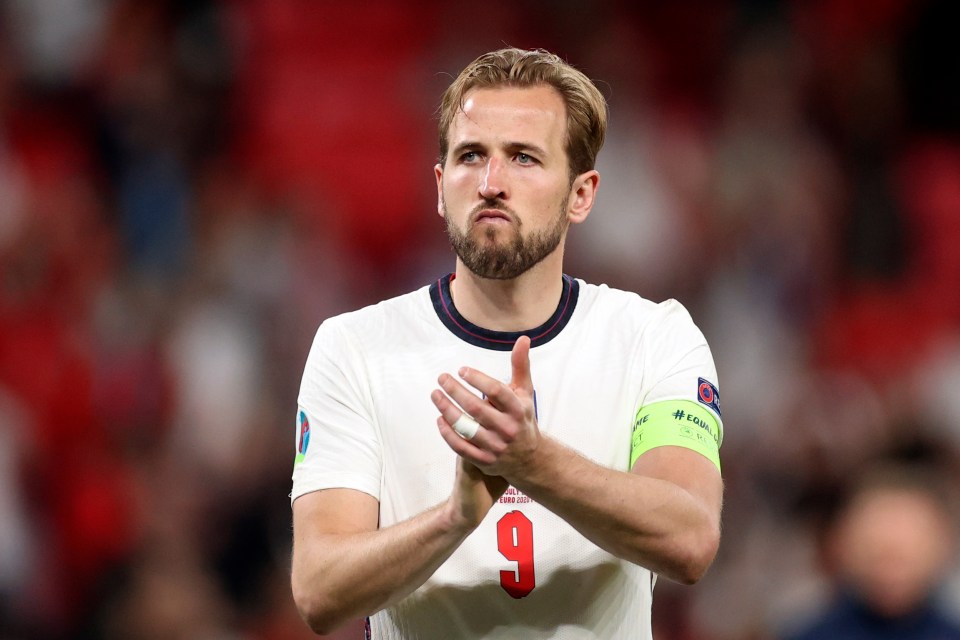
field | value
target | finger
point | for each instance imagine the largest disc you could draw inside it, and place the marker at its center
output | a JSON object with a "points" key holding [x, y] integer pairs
{"points": [[520, 365], [458, 418], [486, 412], [462, 447], [449, 411], [497, 393], [466, 426]]}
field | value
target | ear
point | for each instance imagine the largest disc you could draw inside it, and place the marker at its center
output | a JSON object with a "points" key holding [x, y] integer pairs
{"points": [[438, 171], [583, 192]]}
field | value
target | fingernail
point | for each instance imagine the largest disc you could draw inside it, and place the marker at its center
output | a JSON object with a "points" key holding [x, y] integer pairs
{"points": [[462, 372]]}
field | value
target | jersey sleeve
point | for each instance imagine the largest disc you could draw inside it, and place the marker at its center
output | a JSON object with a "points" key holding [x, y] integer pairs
{"points": [[680, 402], [337, 444]]}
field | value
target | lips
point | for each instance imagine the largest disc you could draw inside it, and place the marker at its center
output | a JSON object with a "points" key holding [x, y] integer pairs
{"points": [[491, 214]]}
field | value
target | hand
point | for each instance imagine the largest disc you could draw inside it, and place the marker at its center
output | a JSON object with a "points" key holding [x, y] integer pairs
{"points": [[474, 494], [508, 434]]}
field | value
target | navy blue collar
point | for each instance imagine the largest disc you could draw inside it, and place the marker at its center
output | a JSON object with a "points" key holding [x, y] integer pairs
{"points": [[502, 340]]}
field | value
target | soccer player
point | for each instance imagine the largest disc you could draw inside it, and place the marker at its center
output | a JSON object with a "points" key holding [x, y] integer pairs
{"points": [[509, 452]]}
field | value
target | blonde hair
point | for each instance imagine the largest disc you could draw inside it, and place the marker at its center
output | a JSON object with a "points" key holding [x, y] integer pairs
{"points": [[586, 106]]}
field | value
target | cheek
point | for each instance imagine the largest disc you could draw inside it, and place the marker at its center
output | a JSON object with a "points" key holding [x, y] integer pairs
{"points": [[451, 200], [454, 185]]}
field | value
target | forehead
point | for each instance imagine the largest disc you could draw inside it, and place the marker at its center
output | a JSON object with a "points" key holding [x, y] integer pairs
{"points": [[511, 114]]}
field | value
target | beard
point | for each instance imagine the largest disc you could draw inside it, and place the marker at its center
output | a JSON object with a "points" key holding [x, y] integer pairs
{"points": [[487, 257]]}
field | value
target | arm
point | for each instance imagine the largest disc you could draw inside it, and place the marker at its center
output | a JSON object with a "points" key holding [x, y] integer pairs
{"points": [[664, 514], [344, 567]]}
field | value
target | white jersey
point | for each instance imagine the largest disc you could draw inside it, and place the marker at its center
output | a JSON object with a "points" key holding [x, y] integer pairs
{"points": [[366, 422]]}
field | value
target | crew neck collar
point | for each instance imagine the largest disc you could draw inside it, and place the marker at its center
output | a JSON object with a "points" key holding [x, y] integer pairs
{"points": [[502, 340]]}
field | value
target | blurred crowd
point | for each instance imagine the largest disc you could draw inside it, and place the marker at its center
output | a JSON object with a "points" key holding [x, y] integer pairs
{"points": [[189, 187]]}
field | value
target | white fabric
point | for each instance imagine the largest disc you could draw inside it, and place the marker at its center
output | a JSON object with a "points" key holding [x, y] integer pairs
{"points": [[366, 393]]}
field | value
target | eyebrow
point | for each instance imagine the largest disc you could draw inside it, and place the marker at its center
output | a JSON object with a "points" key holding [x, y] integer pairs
{"points": [[527, 146], [513, 146], [465, 146]]}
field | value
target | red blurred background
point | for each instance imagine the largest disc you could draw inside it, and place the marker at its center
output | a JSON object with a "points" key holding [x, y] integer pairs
{"points": [[188, 188]]}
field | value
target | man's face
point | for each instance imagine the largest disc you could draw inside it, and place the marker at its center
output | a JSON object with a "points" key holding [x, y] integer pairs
{"points": [[893, 546], [505, 186]]}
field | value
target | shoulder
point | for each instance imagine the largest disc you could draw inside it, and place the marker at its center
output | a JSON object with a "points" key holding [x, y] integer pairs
{"points": [[375, 319], [831, 625], [607, 303], [375, 328]]}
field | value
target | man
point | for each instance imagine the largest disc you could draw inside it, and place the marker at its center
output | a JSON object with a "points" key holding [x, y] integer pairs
{"points": [[568, 451], [892, 546]]}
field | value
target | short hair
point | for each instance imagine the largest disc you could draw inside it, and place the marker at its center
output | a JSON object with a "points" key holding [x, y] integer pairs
{"points": [[585, 105]]}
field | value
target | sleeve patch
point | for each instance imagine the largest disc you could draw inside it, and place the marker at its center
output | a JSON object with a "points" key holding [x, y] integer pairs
{"points": [[303, 437], [708, 394], [680, 423]]}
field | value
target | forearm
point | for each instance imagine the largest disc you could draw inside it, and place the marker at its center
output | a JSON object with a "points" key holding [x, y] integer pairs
{"points": [[342, 576], [650, 521]]}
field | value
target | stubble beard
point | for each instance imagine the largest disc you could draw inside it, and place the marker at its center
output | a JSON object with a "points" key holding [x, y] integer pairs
{"points": [[488, 257]]}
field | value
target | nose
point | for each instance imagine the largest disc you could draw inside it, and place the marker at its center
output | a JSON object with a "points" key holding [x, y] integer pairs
{"points": [[492, 181]]}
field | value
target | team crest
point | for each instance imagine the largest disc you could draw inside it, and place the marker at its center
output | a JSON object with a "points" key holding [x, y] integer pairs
{"points": [[707, 394]]}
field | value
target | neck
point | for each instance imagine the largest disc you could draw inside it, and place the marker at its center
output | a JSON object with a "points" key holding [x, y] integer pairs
{"points": [[518, 304]]}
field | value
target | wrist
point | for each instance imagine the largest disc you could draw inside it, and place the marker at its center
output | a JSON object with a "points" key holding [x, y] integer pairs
{"points": [[454, 520], [540, 466]]}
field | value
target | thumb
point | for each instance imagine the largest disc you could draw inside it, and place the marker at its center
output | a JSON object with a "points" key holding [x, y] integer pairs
{"points": [[520, 365]]}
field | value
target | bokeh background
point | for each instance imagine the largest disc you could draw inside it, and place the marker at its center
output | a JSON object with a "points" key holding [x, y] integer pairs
{"points": [[188, 188]]}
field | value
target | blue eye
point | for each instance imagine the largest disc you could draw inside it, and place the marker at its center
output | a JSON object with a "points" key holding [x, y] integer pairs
{"points": [[523, 158]]}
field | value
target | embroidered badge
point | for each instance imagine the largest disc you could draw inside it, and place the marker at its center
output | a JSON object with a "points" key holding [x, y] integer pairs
{"points": [[707, 394]]}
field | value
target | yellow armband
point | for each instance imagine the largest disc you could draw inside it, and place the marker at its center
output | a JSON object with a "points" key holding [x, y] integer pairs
{"points": [[681, 423]]}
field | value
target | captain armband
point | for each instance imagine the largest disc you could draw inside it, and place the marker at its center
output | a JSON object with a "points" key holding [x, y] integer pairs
{"points": [[680, 423]]}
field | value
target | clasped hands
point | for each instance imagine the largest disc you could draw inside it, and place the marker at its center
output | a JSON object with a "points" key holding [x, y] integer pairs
{"points": [[508, 435]]}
